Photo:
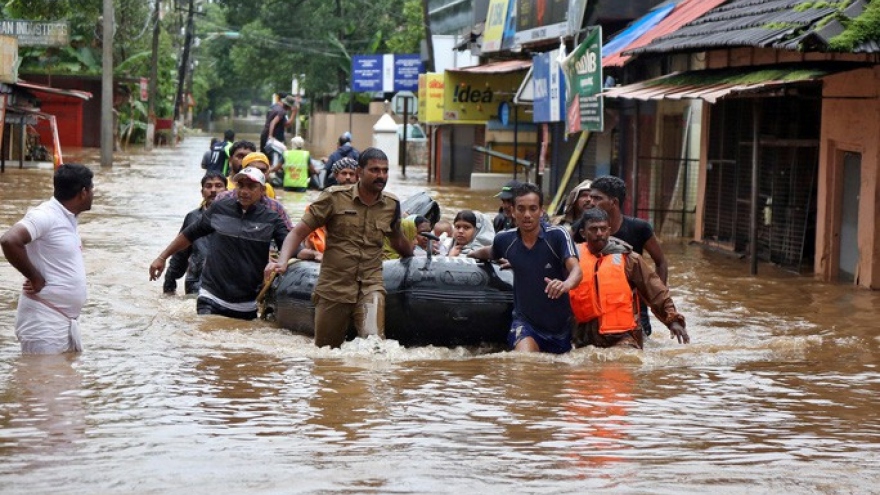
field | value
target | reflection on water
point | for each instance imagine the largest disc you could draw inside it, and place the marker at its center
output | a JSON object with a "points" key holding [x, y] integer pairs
{"points": [[781, 378]]}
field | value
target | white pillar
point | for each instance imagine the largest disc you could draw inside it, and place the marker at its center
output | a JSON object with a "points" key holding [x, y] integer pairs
{"points": [[385, 138]]}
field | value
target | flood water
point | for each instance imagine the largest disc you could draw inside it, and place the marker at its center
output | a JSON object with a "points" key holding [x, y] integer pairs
{"points": [[777, 393]]}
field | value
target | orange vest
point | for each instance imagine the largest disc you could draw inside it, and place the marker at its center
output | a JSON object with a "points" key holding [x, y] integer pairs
{"points": [[318, 239], [604, 293]]}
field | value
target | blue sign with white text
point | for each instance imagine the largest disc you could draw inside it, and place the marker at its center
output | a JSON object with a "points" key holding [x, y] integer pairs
{"points": [[366, 73], [549, 104], [385, 73], [406, 72]]}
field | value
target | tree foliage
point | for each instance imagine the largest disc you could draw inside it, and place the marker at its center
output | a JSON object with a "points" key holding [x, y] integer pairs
{"points": [[276, 41], [281, 39]]}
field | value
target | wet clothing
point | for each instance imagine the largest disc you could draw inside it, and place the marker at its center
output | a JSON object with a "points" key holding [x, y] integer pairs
{"points": [[216, 158], [350, 286], [228, 150], [239, 251], [206, 306], [644, 281], [344, 151], [276, 110], [408, 227], [189, 261], [502, 221], [47, 323], [296, 170], [268, 202], [636, 232], [333, 319], [520, 329], [352, 262], [614, 305], [550, 317]]}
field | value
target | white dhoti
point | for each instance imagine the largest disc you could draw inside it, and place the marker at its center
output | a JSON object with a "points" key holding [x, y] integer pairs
{"points": [[42, 328]]}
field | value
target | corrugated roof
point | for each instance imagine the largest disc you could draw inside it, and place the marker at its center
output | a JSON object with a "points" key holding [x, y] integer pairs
{"points": [[781, 24], [716, 84], [496, 67], [683, 13], [73, 93], [636, 29]]}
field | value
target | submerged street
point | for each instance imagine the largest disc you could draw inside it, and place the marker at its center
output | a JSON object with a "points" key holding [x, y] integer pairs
{"points": [[777, 391]]}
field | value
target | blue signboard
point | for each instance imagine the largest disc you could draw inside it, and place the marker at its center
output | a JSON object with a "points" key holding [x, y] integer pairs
{"points": [[366, 73], [549, 103], [385, 73], [406, 72]]}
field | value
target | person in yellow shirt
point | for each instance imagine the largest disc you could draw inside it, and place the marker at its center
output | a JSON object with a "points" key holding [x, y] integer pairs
{"points": [[259, 161]]}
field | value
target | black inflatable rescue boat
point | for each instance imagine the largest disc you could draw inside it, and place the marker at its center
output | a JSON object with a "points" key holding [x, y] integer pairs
{"points": [[430, 301]]}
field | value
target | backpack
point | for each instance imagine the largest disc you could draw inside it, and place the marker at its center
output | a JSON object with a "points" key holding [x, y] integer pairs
{"points": [[218, 157]]}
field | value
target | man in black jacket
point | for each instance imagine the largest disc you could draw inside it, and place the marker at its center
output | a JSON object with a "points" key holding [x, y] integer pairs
{"points": [[243, 229], [191, 260], [345, 150]]}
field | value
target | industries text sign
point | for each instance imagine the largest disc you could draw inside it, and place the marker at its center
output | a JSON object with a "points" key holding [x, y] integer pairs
{"points": [[36, 33]]}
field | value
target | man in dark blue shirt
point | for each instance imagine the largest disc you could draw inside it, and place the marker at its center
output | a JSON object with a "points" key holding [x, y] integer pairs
{"points": [[545, 267]]}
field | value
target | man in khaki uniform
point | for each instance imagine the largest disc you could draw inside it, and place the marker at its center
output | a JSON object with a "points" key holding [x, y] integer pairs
{"points": [[358, 217]]}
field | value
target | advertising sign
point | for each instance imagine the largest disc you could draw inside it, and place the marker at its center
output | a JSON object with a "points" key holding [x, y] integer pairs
{"points": [[430, 101], [541, 20], [549, 91], [385, 73], [583, 82], [496, 18], [36, 33], [8, 59], [475, 98]]}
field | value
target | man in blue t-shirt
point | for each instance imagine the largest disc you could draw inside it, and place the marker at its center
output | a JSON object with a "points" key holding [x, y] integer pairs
{"points": [[545, 267]]}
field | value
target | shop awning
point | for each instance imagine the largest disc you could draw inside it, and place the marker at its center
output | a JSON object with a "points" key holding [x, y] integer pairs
{"points": [[39, 88], [504, 67], [713, 85]]}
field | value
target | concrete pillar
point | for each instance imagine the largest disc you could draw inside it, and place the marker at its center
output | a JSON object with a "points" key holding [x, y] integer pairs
{"points": [[385, 138]]}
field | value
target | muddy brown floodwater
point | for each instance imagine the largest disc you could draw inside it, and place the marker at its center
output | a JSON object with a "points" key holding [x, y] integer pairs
{"points": [[777, 393]]}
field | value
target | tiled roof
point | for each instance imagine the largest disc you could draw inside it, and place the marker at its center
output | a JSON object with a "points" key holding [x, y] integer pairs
{"points": [[781, 24], [712, 85]]}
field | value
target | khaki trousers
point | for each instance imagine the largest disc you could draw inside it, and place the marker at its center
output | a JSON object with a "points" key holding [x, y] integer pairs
{"points": [[333, 319]]}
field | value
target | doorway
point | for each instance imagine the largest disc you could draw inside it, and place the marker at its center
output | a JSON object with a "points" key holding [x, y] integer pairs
{"points": [[848, 261]]}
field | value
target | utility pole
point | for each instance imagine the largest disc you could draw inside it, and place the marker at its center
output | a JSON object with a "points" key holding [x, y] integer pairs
{"points": [[107, 85], [181, 73], [429, 67], [154, 80]]}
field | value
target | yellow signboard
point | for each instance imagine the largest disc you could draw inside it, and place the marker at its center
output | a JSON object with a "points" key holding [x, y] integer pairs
{"points": [[431, 98], [474, 97], [494, 30], [8, 59]]}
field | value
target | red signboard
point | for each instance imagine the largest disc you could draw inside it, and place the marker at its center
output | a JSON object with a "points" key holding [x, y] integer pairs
{"points": [[144, 89]]}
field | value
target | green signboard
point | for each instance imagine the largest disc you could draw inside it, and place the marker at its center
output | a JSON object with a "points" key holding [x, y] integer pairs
{"points": [[582, 69]]}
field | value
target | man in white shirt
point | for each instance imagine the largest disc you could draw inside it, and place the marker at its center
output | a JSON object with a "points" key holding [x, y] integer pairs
{"points": [[46, 248]]}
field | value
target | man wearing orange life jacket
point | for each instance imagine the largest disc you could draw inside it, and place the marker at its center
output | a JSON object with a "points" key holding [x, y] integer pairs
{"points": [[605, 305]]}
